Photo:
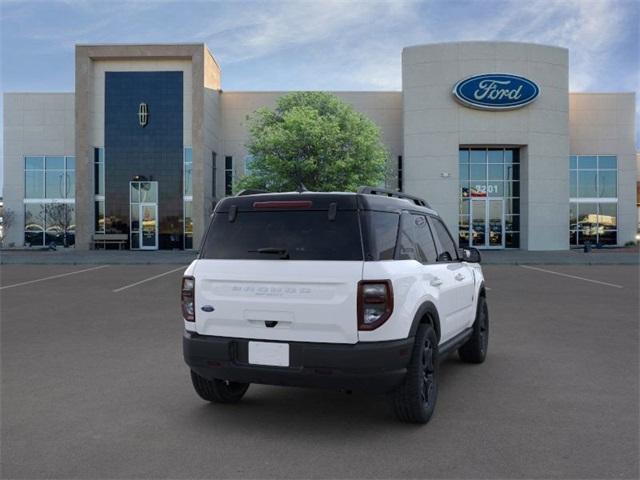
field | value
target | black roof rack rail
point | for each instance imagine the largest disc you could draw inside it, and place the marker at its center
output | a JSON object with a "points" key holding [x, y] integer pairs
{"points": [[250, 191], [392, 193]]}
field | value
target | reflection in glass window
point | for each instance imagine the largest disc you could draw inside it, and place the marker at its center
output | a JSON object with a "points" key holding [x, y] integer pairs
{"points": [[99, 216], [188, 225], [489, 173], [188, 171], [593, 178], [228, 175], [98, 171], [49, 194]]}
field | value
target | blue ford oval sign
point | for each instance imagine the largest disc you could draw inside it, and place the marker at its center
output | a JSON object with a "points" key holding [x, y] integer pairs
{"points": [[496, 91]]}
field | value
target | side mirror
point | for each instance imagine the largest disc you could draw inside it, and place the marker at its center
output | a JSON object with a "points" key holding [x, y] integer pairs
{"points": [[471, 255]]}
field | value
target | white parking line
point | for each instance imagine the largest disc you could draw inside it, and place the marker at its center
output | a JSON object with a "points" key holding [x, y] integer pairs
{"points": [[575, 277], [148, 279], [52, 277]]}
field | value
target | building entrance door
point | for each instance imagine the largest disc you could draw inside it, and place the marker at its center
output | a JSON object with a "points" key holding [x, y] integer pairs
{"points": [[144, 215], [148, 226], [487, 223]]}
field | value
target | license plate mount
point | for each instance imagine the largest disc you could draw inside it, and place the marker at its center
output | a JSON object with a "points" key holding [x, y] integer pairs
{"points": [[269, 353]]}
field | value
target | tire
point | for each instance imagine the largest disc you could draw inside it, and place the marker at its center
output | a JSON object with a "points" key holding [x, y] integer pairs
{"points": [[475, 349], [218, 391], [414, 401]]}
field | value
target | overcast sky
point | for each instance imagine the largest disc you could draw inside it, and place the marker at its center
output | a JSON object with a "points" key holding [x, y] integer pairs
{"points": [[317, 45]]}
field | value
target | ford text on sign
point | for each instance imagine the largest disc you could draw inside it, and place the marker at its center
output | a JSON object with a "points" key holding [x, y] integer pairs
{"points": [[496, 91]]}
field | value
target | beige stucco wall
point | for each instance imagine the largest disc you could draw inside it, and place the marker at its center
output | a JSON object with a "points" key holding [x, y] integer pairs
{"points": [[383, 108], [435, 125], [34, 124], [604, 124]]}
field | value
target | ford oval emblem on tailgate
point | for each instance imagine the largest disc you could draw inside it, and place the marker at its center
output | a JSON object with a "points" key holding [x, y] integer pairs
{"points": [[207, 308]]}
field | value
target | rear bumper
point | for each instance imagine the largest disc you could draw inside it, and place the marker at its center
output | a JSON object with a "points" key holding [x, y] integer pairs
{"points": [[369, 367]]}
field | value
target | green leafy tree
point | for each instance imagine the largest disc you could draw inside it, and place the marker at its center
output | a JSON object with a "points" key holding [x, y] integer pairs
{"points": [[316, 139]]}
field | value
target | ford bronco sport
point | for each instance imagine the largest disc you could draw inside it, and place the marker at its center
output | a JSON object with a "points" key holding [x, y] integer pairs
{"points": [[352, 291]]}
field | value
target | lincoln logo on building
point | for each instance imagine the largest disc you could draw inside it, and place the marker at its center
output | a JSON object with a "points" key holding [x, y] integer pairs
{"points": [[143, 114], [496, 91]]}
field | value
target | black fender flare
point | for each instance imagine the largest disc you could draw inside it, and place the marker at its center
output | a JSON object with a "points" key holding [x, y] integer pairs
{"points": [[482, 291], [427, 309]]}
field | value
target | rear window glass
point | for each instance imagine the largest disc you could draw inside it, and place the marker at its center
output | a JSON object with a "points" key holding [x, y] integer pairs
{"points": [[275, 235]]}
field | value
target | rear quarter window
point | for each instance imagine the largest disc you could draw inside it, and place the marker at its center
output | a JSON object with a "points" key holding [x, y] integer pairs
{"points": [[303, 235], [381, 233]]}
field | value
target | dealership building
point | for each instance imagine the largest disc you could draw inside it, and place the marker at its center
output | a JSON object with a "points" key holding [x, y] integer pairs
{"points": [[487, 132]]}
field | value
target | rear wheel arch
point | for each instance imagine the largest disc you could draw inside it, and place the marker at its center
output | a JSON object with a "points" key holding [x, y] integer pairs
{"points": [[427, 314]]}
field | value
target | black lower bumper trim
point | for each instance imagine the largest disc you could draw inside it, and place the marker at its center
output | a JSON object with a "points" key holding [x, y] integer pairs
{"points": [[370, 367]]}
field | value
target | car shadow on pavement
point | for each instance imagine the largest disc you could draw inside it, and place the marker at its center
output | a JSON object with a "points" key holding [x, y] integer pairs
{"points": [[321, 411]]}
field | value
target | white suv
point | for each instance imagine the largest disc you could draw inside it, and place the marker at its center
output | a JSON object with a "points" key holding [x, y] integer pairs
{"points": [[351, 291]]}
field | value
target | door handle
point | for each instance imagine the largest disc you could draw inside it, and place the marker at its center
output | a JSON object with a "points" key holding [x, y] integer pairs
{"points": [[436, 282], [459, 277]]}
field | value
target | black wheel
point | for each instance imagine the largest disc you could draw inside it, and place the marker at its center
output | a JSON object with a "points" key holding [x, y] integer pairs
{"points": [[218, 391], [475, 349], [415, 400]]}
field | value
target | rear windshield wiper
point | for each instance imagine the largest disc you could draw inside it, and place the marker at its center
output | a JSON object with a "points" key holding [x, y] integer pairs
{"points": [[284, 254]]}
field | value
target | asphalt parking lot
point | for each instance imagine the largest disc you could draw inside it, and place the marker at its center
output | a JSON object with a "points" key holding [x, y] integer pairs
{"points": [[94, 386]]}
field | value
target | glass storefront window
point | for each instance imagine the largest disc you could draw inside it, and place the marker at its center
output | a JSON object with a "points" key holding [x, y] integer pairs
{"points": [[478, 156], [588, 183], [49, 194], [98, 171], [607, 184], [148, 192], [34, 184], [489, 188], [188, 225], [188, 172], [495, 156], [54, 163], [593, 178], [54, 183], [99, 216], [587, 162]]}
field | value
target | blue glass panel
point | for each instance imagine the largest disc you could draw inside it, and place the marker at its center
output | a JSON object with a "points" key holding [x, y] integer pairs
{"points": [[34, 184], [587, 186], [607, 184], [587, 161], [607, 161], [573, 162], [34, 163], [71, 163], [495, 156], [54, 163], [54, 184], [478, 156]]}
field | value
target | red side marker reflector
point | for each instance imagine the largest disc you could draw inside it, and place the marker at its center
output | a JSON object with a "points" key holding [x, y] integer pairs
{"points": [[284, 204]]}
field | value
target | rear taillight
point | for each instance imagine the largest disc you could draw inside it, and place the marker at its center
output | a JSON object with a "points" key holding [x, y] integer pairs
{"points": [[187, 299], [375, 303]]}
